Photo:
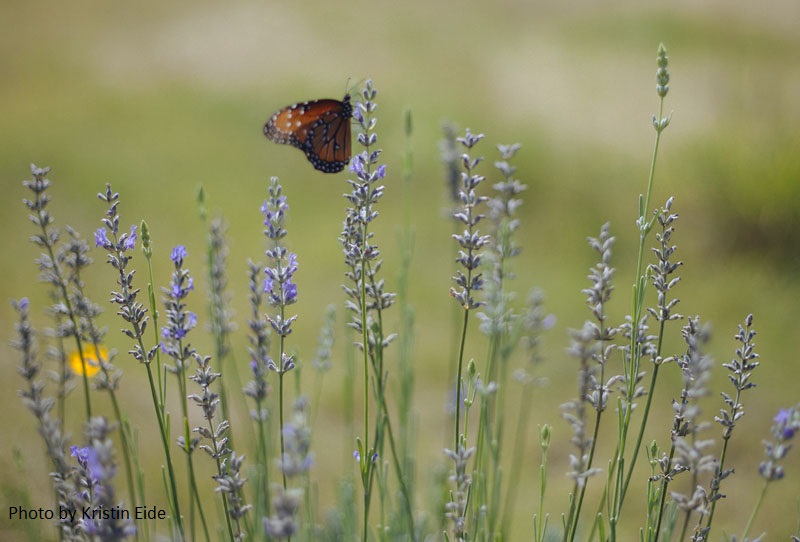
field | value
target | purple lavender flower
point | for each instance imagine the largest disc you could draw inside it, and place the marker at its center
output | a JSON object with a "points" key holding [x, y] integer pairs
{"points": [[129, 241], [269, 284], [178, 255], [279, 283], [257, 388], [274, 210], [95, 475], [179, 320], [118, 247], [357, 163], [179, 290], [784, 426], [361, 252], [88, 459], [101, 239], [290, 293]]}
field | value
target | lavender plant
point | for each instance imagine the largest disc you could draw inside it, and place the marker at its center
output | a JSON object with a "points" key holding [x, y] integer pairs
{"points": [[134, 313], [48, 427], [368, 300], [257, 389], [295, 461], [230, 485], [644, 225], [95, 473], [51, 268], [221, 317], [741, 369], [500, 322], [280, 288], [471, 242], [179, 322], [62, 265], [686, 451], [456, 509], [479, 495], [785, 425]]}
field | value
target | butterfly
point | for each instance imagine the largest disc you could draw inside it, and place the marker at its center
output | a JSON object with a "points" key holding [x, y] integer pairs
{"points": [[319, 128]]}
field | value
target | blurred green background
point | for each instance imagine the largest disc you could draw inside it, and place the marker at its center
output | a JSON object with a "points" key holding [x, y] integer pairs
{"points": [[160, 98]]}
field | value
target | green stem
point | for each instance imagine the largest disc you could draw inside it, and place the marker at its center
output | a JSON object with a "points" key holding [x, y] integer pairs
{"points": [[212, 432], [638, 303], [399, 473], [663, 495], [647, 406], [582, 491], [523, 417], [124, 437], [158, 394], [158, 400], [193, 492], [755, 510], [459, 399], [163, 431], [280, 414], [365, 461], [126, 443], [61, 282]]}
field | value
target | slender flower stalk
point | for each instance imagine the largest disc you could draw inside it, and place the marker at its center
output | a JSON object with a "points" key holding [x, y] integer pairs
{"points": [[180, 321], [219, 448], [534, 322], [741, 369], [540, 518], [631, 369], [161, 375], [258, 388], [695, 368], [95, 473], [368, 300], [295, 461], [407, 419], [52, 267], [221, 322], [118, 248], [499, 322], [469, 256], [451, 161], [585, 349], [358, 249], [49, 427], [592, 345], [455, 510], [231, 484], [663, 282], [280, 288]]}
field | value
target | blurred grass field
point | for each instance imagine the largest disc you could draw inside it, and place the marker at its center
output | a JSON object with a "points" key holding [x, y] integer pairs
{"points": [[159, 99]]}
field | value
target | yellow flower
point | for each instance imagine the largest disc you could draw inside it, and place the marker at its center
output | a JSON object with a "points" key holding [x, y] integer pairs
{"points": [[92, 356]]}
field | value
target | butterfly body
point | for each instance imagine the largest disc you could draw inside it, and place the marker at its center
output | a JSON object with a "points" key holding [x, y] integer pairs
{"points": [[319, 128]]}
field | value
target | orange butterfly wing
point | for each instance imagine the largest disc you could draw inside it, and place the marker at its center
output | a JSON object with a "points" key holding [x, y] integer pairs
{"points": [[319, 128]]}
